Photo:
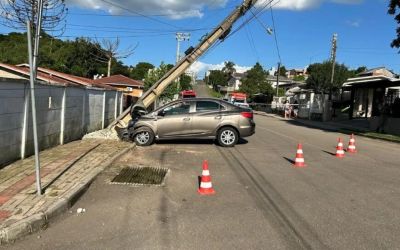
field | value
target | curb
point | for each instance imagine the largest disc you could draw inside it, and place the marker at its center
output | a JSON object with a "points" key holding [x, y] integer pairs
{"points": [[41, 219]]}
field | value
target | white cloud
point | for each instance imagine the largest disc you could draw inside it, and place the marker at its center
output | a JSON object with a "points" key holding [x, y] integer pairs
{"points": [[354, 24], [200, 68], [303, 4], [175, 9], [178, 9]]}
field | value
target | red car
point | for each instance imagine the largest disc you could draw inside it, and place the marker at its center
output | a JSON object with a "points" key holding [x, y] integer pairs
{"points": [[188, 94]]}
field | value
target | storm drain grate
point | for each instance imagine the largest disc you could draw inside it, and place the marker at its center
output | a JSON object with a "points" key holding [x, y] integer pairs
{"points": [[141, 176]]}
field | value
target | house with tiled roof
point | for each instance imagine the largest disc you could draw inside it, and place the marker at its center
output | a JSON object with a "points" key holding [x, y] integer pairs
{"points": [[17, 72], [68, 77], [132, 89]]}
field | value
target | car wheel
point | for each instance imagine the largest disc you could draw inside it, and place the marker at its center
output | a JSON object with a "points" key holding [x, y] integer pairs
{"points": [[227, 137], [144, 138]]}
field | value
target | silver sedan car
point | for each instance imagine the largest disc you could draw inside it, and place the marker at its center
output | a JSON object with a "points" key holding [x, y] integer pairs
{"points": [[194, 118]]}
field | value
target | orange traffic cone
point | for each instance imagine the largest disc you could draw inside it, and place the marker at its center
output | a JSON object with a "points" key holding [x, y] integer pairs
{"points": [[205, 184], [299, 161], [339, 149], [352, 145]]}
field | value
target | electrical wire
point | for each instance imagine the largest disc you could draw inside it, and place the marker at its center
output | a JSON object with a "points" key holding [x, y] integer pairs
{"points": [[275, 36], [215, 45], [139, 14], [114, 28], [250, 18], [251, 42], [149, 15]]}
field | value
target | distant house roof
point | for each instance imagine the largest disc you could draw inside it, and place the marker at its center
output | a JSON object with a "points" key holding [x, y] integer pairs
{"points": [[24, 72], [372, 81], [70, 78], [239, 75], [119, 80], [281, 79], [51, 76], [377, 71]]}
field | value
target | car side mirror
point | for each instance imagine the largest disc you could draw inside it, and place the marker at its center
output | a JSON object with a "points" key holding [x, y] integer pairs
{"points": [[161, 113]]}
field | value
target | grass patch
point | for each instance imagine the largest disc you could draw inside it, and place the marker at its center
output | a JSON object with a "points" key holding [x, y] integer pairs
{"points": [[373, 135], [214, 93]]}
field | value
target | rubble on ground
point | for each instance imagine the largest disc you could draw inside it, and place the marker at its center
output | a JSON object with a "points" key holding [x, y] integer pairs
{"points": [[108, 134]]}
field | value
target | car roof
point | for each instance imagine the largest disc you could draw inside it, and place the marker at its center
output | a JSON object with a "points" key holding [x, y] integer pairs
{"points": [[202, 99]]}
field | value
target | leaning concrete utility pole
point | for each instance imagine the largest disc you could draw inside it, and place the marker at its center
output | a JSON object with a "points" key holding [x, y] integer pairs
{"points": [[221, 32]]}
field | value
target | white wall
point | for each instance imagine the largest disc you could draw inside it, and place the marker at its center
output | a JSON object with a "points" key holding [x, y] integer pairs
{"points": [[64, 114]]}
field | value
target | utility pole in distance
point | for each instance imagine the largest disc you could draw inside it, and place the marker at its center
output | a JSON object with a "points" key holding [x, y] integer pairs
{"points": [[180, 36], [277, 78], [333, 55]]}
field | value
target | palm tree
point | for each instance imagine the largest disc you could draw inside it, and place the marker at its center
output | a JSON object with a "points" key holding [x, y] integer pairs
{"points": [[229, 68]]}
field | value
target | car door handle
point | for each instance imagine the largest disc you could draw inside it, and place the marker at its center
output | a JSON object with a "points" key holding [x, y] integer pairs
{"points": [[186, 119], [218, 117]]}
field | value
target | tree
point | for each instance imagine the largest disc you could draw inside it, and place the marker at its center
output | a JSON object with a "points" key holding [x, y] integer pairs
{"points": [[361, 69], [256, 82], [282, 71], [154, 75], [15, 13], [299, 78], [394, 6], [75, 57], [140, 70], [229, 68], [217, 77], [185, 82], [111, 52], [319, 78]]}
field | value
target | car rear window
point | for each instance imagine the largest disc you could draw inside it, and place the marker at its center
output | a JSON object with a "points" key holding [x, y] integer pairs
{"points": [[208, 106]]}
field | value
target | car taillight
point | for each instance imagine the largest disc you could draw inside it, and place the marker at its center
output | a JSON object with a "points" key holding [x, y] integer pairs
{"points": [[247, 114]]}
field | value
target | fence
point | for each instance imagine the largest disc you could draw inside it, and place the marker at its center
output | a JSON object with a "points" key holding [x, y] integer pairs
{"points": [[305, 111], [64, 114]]}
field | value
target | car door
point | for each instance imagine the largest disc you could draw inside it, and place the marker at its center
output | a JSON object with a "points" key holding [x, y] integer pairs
{"points": [[174, 120], [207, 117]]}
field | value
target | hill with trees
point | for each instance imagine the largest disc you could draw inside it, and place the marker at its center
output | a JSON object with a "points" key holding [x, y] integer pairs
{"points": [[78, 57]]}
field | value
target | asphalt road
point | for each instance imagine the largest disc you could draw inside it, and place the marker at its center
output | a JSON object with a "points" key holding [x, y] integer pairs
{"points": [[201, 90], [261, 200]]}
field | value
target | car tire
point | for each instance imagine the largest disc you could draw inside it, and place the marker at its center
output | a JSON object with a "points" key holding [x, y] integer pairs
{"points": [[144, 137], [227, 137]]}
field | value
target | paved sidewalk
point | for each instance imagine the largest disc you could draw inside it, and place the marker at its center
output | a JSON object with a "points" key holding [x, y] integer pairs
{"points": [[66, 172]]}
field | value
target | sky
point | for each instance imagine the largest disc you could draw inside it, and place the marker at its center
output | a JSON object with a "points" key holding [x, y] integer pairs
{"points": [[302, 31]]}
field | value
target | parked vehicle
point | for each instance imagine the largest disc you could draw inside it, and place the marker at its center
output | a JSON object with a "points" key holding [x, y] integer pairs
{"points": [[194, 118], [187, 94], [239, 99]]}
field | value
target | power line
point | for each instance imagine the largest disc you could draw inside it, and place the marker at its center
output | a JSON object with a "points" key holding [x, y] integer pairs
{"points": [[140, 14], [275, 36], [250, 18], [147, 15], [114, 28], [251, 41], [215, 45]]}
